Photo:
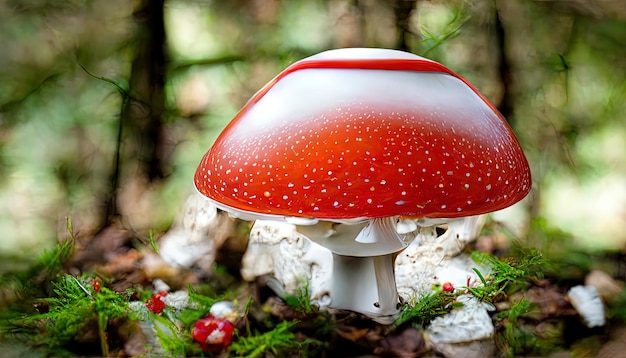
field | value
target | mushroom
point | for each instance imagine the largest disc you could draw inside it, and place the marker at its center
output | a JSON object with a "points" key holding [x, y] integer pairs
{"points": [[345, 142]]}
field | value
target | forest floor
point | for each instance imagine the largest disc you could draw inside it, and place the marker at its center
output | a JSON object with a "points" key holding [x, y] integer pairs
{"points": [[87, 297]]}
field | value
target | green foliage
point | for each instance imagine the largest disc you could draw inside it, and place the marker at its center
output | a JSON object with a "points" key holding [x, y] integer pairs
{"points": [[424, 309], [442, 29], [517, 339], [73, 309], [301, 302], [36, 281], [51, 262], [199, 306], [617, 307], [508, 275], [280, 342], [174, 337], [505, 277], [153, 243]]}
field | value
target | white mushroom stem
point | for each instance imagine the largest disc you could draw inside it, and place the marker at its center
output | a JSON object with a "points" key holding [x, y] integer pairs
{"points": [[363, 274], [365, 285]]}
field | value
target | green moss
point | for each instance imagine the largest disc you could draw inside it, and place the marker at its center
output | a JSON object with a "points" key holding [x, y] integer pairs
{"points": [[281, 341]]}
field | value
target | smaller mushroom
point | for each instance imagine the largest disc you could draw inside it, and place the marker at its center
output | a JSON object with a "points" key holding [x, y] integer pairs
{"points": [[155, 302], [213, 334]]}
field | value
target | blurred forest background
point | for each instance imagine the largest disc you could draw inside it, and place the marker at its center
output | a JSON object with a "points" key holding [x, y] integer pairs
{"points": [[106, 107]]}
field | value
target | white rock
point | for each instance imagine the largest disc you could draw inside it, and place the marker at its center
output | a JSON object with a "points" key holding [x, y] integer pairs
{"points": [[178, 299], [160, 285], [433, 260], [196, 235], [225, 310], [587, 302], [470, 322], [277, 249]]}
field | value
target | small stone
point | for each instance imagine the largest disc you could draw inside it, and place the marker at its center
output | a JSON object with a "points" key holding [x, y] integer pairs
{"points": [[587, 302]]}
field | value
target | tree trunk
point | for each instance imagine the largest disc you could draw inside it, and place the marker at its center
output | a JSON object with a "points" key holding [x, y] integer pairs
{"points": [[140, 141]]}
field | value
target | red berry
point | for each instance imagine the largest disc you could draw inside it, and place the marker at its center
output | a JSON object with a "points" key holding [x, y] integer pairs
{"points": [[213, 334], [448, 287], [155, 304], [96, 286]]}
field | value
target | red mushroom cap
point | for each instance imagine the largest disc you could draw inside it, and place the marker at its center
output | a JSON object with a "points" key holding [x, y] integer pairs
{"points": [[365, 133]]}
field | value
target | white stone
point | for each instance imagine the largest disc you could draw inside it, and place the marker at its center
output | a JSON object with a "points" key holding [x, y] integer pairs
{"points": [[224, 310], [160, 285], [434, 260], [196, 235], [278, 250], [588, 304], [178, 299], [470, 322]]}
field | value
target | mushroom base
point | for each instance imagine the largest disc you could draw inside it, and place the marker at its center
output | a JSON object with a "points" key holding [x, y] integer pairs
{"points": [[365, 285]]}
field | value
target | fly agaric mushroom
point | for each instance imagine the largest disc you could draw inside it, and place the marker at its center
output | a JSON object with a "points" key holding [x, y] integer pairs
{"points": [[353, 139]]}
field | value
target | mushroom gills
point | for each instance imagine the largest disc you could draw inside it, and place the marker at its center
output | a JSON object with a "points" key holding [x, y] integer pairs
{"points": [[365, 238]]}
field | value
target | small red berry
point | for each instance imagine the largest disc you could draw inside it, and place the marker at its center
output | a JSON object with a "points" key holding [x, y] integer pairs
{"points": [[155, 304], [96, 286], [447, 287], [213, 334]]}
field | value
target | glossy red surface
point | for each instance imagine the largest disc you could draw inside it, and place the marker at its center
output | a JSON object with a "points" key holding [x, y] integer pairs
{"points": [[441, 152]]}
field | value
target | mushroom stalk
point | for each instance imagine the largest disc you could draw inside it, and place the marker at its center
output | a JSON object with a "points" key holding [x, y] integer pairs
{"points": [[363, 269], [365, 285]]}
